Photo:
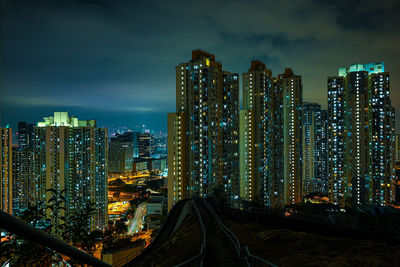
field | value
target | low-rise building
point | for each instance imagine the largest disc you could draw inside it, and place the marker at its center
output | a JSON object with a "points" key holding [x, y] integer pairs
{"points": [[155, 205]]}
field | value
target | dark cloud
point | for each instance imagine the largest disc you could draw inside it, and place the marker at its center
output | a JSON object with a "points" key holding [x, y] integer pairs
{"points": [[102, 4], [117, 57]]}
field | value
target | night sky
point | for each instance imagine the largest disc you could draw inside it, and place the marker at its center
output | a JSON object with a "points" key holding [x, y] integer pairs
{"points": [[114, 60]]}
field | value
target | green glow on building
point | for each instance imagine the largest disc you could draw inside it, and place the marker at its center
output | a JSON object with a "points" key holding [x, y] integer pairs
{"points": [[371, 68], [62, 119]]}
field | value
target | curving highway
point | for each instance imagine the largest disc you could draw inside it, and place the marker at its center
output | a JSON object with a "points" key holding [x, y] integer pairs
{"points": [[136, 224]]}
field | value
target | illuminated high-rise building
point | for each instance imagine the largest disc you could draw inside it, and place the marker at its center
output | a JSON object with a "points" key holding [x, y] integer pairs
{"points": [[177, 174], [23, 178], [361, 136], [381, 137], [321, 183], [23, 168], [207, 104], [337, 140], [246, 157], [397, 147], [315, 169], [270, 137], [292, 90], [254, 134], [261, 138], [6, 170], [71, 155], [276, 163]]}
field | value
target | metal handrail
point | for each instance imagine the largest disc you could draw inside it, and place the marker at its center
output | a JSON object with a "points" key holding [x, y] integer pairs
{"points": [[258, 258], [203, 245], [225, 229], [203, 229], [16, 226], [246, 249], [227, 232]]}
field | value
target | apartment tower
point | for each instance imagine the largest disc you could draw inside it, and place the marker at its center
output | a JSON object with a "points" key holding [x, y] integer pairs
{"points": [[361, 136], [6, 182], [203, 134], [292, 91], [71, 155]]}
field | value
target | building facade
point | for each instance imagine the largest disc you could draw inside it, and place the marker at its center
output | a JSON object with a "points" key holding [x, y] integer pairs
{"points": [[23, 173], [321, 183], [337, 137], [315, 158], [23, 168], [292, 90], [270, 137], [25, 135], [208, 99], [123, 149], [255, 135], [144, 145], [361, 136], [6, 175], [72, 155]]}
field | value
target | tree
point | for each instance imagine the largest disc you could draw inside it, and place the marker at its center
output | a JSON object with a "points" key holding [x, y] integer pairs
{"points": [[56, 204], [77, 230], [53, 218]]}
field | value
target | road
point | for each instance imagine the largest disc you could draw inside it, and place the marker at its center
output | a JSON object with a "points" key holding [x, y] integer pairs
{"points": [[136, 224]]}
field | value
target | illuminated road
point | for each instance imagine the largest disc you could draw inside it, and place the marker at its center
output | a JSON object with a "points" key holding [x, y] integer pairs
{"points": [[136, 224]]}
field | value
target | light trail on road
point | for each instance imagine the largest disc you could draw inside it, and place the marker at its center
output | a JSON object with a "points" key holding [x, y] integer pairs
{"points": [[137, 223]]}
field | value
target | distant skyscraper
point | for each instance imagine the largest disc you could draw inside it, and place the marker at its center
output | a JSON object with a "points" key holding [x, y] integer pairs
{"points": [[315, 158], [6, 170], [144, 145], [292, 90], [71, 154], [25, 135], [361, 136], [207, 98], [122, 152]]}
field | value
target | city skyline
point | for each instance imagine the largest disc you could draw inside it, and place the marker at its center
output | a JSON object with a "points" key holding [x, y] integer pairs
{"points": [[213, 133], [126, 78], [283, 149]]}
